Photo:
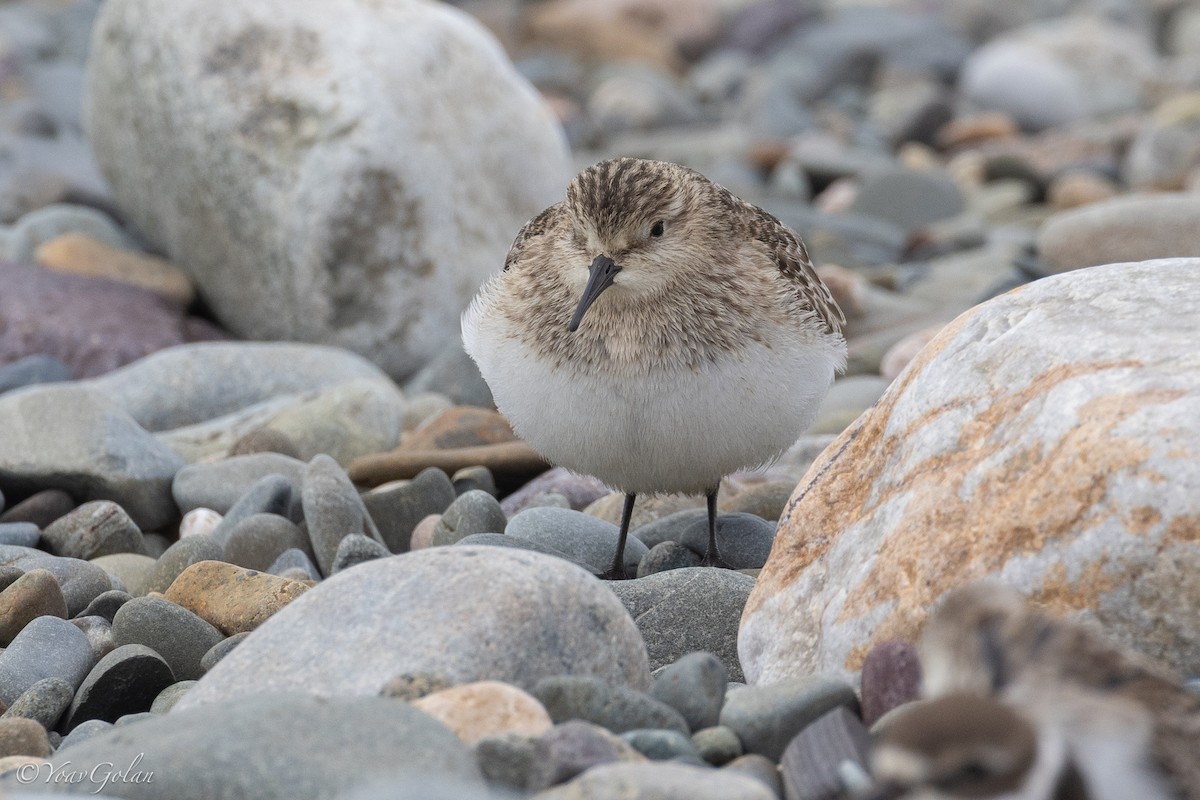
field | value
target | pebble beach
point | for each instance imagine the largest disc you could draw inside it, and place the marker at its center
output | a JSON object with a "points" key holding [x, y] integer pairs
{"points": [[263, 533]]}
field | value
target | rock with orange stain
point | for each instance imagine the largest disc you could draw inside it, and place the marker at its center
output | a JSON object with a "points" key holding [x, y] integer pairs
{"points": [[231, 598], [1049, 438], [486, 708]]}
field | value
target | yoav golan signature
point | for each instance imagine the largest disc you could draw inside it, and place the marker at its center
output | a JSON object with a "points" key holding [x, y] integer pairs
{"points": [[102, 774]]}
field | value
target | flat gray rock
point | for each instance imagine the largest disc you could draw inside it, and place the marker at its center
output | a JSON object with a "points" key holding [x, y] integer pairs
{"points": [[94, 529], [581, 536], [682, 610], [175, 633], [766, 718], [48, 647], [125, 681], [397, 509], [64, 436], [332, 510], [220, 484], [80, 581], [179, 556], [470, 613], [275, 747], [649, 781]]}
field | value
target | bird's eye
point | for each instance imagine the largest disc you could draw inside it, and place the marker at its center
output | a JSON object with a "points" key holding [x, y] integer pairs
{"points": [[657, 229]]}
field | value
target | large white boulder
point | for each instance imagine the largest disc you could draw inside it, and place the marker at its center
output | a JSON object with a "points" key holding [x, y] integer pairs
{"points": [[336, 171]]}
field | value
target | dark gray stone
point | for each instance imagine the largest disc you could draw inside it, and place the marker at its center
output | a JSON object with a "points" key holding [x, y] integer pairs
{"points": [[125, 681], [271, 494], [397, 509], [332, 510], [44, 702], [80, 581], [507, 760], [472, 613], [47, 647], [294, 559], [98, 528], [259, 539], [743, 540], [616, 708], [571, 748], [20, 534], [175, 633], [284, 746], [666, 556], [40, 508], [684, 610], [504, 540], [477, 478], [583, 537], [473, 512], [179, 556], [766, 718], [33, 369], [694, 686], [106, 604], [356, 549], [657, 744], [219, 484], [811, 765], [221, 649], [155, 544], [67, 437]]}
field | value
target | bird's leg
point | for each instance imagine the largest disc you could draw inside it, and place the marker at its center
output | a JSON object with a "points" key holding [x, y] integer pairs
{"points": [[712, 558], [617, 571]]}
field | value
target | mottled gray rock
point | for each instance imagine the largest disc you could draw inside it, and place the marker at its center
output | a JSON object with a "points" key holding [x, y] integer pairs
{"points": [[329, 747], [571, 748], [332, 509], [766, 718], [583, 537], [743, 540], [98, 528], [125, 681], [295, 559], [169, 696], [47, 648], [694, 686], [258, 235], [473, 512], [129, 571], [616, 708], [397, 508], [181, 555], [666, 556], [1130, 228], [175, 633], [44, 702], [271, 494], [98, 631], [106, 604], [463, 611], [221, 649], [659, 744], [220, 484], [356, 549], [654, 780], [684, 610], [67, 437]]}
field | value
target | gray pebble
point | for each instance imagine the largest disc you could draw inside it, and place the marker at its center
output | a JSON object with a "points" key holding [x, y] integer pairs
{"points": [[617, 708], [663, 745], [504, 540], [760, 768], [571, 748], [125, 681], [271, 494], [94, 529], [451, 372], [717, 745], [134, 717], [507, 760], [106, 604], [44, 224], [666, 556], [294, 560], [21, 534], [694, 686], [172, 631], [766, 718], [743, 540], [169, 696], [41, 508], [580, 490], [219, 484], [684, 610], [220, 650], [33, 369], [44, 702], [155, 544], [473, 512], [98, 631], [47, 647], [354, 550], [332, 509], [398, 508], [256, 541], [474, 478], [179, 556], [84, 731], [583, 537]]}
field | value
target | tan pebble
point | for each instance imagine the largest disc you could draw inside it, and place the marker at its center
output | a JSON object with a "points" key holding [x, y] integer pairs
{"points": [[915, 155], [23, 737], [231, 598], [199, 521], [265, 440], [459, 426], [83, 255], [1079, 188], [486, 708], [902, 352], [422, 535], [975, 129], [512, 463], [34, 594]]}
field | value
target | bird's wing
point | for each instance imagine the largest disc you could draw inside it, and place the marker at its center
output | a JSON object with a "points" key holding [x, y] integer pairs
{"points": [[531, 230]]}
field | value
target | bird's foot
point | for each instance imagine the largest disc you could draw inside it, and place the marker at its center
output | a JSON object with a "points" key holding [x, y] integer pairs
{"points": [[713, 559], [614, 574]]}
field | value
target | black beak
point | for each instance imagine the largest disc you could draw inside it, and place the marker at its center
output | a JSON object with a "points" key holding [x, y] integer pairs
{"points": [[602, 270]]}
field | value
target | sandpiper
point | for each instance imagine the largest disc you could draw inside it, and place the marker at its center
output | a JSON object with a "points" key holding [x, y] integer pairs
{"points": [[657, 332], [986, 638]]}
